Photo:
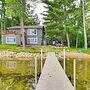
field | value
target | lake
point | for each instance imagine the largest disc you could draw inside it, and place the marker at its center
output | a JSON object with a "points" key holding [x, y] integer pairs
{"points": [[82, 72], [17, 74]]}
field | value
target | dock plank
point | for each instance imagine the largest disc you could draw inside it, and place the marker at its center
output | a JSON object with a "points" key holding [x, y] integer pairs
{"points": [[53, 76]]}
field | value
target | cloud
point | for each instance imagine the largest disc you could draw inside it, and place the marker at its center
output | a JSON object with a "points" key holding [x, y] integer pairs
{"points": [[40, 9]]}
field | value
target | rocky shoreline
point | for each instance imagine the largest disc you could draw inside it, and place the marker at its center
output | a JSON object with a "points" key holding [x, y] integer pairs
{"points": [[75, 55], [19, 56]]}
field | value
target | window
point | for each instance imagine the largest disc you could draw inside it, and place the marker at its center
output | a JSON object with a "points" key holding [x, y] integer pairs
{"points": [[32, 41], [11, 40], [32, 32], [10, 64]]}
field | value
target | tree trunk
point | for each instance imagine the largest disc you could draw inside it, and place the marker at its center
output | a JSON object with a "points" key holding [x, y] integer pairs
{"points": [[22, 30], [12, 22], [68, 39], [4, 22], [84, 26], [61, 41], [2, 18], [67, 34], [1, 25], [1, 29], [3, 15], [77, 39]]}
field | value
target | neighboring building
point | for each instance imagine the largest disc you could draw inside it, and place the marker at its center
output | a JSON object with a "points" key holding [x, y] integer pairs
{"points": [[34, 35], [53, 41]]}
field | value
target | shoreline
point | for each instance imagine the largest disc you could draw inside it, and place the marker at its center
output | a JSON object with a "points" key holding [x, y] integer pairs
{"points": [[76, 55], [5, 55]]}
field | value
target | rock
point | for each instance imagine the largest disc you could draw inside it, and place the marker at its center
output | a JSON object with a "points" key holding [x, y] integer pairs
{"points": [[21, 55]]}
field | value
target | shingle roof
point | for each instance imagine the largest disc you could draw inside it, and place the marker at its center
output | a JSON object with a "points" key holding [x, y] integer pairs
{"points": [[18, 27]]}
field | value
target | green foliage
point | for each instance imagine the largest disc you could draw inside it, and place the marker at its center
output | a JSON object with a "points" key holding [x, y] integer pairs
{"points": [[66, 16], [12, 10]]}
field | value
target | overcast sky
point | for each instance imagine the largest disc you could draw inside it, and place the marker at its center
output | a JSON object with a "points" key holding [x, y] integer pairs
{"points": [[40, 9]]}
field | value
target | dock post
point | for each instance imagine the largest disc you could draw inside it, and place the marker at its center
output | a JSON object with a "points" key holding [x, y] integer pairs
{"points": [[74, 73], [64, 59], [35, 70], [41, 60]]}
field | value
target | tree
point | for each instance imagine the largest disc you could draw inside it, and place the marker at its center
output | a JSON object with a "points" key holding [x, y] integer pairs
{"points": [[67, 16], [17, 14], [18, 8], [2, 15], [59, 16]]}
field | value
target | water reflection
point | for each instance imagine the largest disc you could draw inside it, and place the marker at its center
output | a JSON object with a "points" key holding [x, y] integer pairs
{"points": [[17, 74], [82, 72], [80, 59]]}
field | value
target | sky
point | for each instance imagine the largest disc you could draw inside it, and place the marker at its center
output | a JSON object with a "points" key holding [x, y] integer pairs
{"points": [[40, 9], [78, 1]]}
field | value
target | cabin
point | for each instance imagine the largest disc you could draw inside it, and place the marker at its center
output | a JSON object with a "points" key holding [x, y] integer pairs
{"points": [[34, 35]]}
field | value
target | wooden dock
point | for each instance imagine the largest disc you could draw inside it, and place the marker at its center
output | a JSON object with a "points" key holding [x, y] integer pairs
{"points": [[53, 76]]}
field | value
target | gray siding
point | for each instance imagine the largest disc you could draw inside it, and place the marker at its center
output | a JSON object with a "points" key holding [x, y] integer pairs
{"points": [[39, 36], [18, 39]]}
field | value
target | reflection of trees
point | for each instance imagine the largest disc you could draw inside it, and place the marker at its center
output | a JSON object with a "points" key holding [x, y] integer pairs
{"points": [[82, 73], [83, 84], [13, 81]]}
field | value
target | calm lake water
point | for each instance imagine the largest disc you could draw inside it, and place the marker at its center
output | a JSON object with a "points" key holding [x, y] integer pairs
{"points": [[82, 72], [17, 74]]}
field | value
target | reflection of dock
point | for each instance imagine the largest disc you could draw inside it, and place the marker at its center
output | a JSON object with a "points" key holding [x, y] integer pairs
{"points": [[53, 76]]}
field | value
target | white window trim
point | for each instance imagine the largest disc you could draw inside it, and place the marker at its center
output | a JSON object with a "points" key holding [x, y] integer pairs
{"points": [[29, 32], [31, 40], [10, 42]]}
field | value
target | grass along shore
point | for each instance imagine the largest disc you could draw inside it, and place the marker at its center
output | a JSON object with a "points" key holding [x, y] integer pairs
{"points": [[36, 49], [29, 49]]}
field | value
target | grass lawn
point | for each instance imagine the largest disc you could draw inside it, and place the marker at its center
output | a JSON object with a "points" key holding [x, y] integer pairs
{"points": [[32, 49], [82, 50], [36, 49]]}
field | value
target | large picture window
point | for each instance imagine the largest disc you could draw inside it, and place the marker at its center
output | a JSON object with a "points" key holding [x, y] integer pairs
{"points": [[31, 31], [32, 41], [10, 40]]}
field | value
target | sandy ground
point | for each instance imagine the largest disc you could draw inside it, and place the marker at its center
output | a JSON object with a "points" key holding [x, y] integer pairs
{"points": [[75, 55]]}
